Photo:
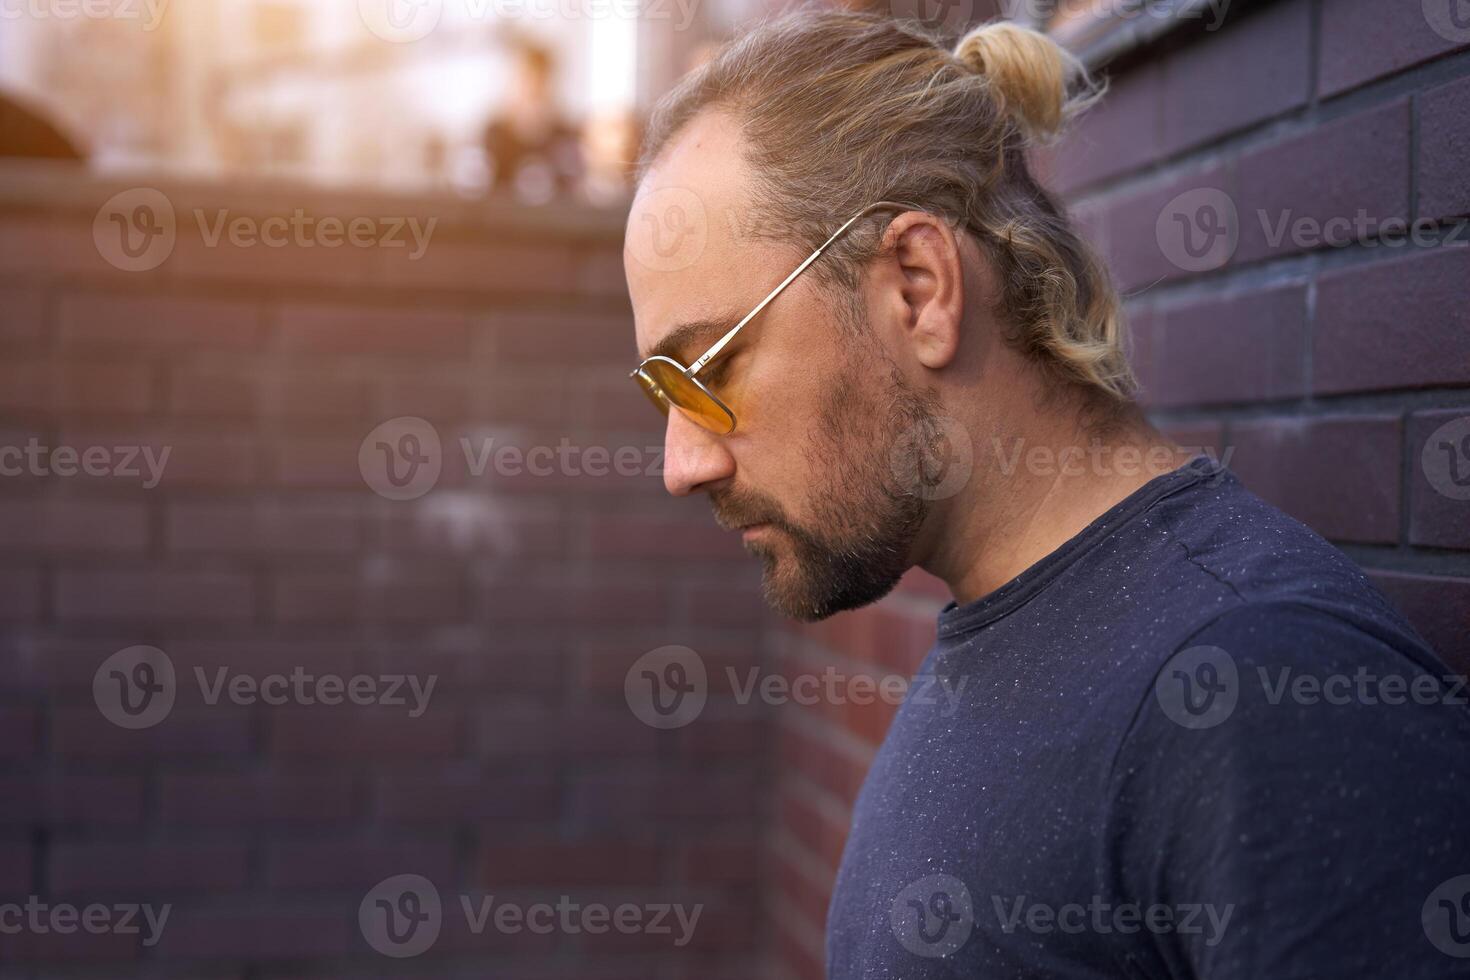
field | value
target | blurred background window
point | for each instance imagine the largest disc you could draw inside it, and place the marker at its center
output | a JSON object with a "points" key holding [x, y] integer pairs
{"points": [[533, 98]]}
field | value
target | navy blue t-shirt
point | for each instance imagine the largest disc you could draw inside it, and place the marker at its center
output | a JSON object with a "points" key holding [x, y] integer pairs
{"points": [[1191, 742]]}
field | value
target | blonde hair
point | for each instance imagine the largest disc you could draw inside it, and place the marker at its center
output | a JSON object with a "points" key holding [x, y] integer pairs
{"points": [[840, 109]]}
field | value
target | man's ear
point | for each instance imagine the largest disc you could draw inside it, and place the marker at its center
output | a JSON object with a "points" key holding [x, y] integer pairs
{"points": [[924, 264]]}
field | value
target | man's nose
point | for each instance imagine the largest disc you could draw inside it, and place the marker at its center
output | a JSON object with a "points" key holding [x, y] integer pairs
{"points": [[693, 456]]}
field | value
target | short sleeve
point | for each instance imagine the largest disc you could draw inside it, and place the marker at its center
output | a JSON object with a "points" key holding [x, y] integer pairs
{"points": [[1296, 788]]}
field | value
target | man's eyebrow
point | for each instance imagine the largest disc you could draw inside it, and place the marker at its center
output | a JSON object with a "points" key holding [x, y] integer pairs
{"points": [[693, 338]]}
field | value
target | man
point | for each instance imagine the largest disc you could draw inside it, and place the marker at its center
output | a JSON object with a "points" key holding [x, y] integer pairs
{"points": [[1183, 742]]}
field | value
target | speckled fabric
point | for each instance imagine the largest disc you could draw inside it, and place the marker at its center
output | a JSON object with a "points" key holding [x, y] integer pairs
{"points": [[1192, 742]]}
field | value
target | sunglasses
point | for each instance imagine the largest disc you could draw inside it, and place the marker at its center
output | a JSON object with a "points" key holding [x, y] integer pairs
{"points": [[667, 383]]}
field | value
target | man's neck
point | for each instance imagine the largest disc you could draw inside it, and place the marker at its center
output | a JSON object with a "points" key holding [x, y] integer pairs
{"points": [[1033, 491]]}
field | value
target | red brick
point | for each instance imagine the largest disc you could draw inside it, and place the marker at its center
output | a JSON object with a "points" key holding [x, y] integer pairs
{"points": [[614, 861], [53, 524], [20, 594], [1439, 608], [98, 869], [1330, 173], [458, 796], [1435, 519], [404, 596], [1366, 39], [1338, 474], [305, 864], [1235, 348], [609, 604], [1125, 227], [227, 799], [623, 798], [374, 330], [216, 733], [195, 260], [274, 933], [152, 594], [21, 312], [115, 319], [564, 340], [75, 386], [20, 729], [721, 860], [195, 458], [309, 526], [50, 247], [354, 732], [16, 868], [1119, 134], [1205, 93], [816, 827], [1444, 146], [1400, 324], [63, 798], [454, 266]]}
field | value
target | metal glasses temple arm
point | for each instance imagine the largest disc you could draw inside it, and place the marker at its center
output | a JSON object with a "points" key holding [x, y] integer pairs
{"points": [[720, 344]]}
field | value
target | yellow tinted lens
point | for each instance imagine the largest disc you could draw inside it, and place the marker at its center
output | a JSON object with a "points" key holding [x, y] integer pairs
{"points": [[652, 390], [689, 397]]}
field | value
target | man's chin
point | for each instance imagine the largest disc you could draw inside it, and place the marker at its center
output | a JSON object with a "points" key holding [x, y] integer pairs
{"points": [[808, 595]]}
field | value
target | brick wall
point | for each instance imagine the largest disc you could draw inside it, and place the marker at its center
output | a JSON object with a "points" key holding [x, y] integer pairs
{"points": [[1324, 358], [526, 587]]}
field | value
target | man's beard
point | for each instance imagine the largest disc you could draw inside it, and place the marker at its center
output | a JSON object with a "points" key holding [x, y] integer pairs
{"points": [[869, 455]]}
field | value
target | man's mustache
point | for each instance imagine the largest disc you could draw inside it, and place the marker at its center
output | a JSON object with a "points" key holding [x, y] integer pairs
{"points": [[735, 509]]}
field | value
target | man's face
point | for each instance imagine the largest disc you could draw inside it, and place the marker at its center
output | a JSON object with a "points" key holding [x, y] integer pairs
{"points": [[827, 429]]}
